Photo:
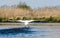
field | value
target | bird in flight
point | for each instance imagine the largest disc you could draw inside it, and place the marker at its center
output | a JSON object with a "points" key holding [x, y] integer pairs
{"points": [[26, 22]]}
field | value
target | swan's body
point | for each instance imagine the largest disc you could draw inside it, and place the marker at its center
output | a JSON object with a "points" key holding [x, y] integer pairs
{"points": [[25, 21]]}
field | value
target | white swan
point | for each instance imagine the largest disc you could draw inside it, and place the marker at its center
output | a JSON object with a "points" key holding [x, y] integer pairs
{"points": [[26, 22]]}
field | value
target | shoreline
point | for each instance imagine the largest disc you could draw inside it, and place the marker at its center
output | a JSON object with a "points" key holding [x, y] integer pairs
{"points": [[30, 24]]}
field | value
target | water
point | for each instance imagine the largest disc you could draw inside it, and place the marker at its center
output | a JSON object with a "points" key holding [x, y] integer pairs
{"points": [[38, 31]]}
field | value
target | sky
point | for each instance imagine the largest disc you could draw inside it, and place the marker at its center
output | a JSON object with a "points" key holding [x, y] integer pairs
{"points": [[32, 3]]}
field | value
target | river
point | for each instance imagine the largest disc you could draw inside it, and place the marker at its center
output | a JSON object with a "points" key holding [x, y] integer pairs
{"points": [[35, 30]]}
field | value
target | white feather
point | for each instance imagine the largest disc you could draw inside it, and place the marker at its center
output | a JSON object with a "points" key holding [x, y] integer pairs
{"points": [[25, 21]]}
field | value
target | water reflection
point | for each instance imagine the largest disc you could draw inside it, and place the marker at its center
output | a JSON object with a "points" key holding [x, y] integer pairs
{"points": [[25, 30], [32, 32]]}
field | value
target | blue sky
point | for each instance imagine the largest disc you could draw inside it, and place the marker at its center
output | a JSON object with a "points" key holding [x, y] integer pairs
{"points": [[32, 3]]}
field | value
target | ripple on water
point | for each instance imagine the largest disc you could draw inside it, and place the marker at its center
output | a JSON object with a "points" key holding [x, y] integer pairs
{"points": [[32, 32]]}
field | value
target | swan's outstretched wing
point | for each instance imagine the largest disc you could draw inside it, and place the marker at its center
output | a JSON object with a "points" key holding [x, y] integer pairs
{"points": [[20, 21], [30, 20], [25, 20]]}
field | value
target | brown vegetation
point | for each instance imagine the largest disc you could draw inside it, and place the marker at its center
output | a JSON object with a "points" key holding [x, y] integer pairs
{"points": [[19, 12]]}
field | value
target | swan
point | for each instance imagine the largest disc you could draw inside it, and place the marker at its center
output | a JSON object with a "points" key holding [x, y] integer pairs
{"points": [[26, 22]]}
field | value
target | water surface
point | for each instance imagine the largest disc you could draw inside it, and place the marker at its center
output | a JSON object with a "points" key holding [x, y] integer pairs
{"points": [[37, 30]]}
